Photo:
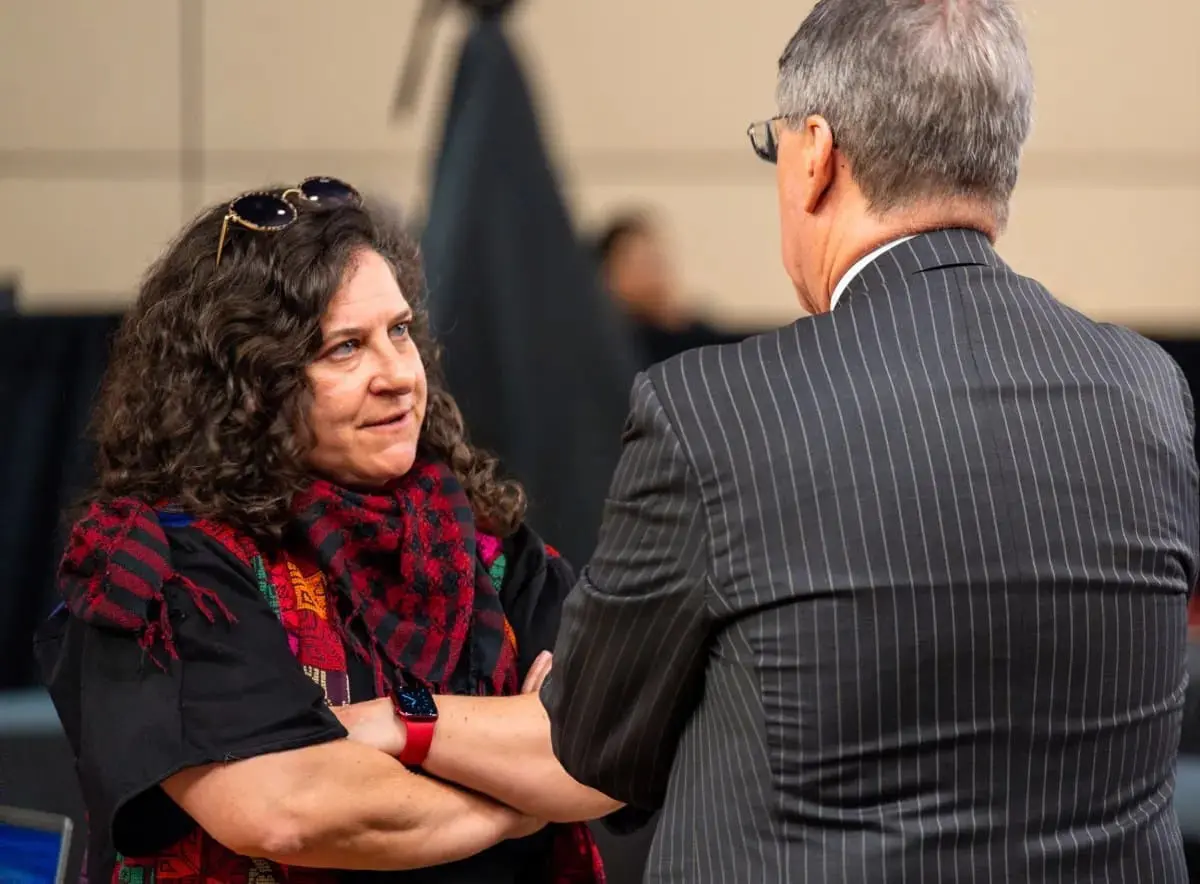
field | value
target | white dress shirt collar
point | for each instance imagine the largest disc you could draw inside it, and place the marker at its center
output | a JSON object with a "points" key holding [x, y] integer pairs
{"points": [[859, 266]]}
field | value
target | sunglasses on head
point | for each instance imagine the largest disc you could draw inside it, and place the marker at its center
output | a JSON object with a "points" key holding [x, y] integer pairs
{"points": [[270, 212]]}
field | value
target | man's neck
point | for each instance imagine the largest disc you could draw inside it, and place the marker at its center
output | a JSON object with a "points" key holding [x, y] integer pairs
{"points": [[870, 232]]}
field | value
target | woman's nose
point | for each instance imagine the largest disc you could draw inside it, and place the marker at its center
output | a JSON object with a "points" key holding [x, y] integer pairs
{"points": [[395, 372]]}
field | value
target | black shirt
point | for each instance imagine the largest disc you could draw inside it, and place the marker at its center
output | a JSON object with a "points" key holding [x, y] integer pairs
{"points": [[236, 691], [656, 344]]}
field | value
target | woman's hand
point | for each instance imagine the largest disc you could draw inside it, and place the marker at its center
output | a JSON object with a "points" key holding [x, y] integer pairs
{"points": [[374, 723], [537, 673]]}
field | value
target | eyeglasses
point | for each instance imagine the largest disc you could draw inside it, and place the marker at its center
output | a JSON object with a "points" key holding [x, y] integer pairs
{"points": [[271, 212], [763, 138]]}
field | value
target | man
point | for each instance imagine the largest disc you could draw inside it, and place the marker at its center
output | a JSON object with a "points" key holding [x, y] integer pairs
{"points": [[897, 593], [637, 270]]}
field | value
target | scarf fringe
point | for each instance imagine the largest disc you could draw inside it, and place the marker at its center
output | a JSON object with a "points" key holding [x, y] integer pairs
{"points": [[157, 629], [202, 596]]}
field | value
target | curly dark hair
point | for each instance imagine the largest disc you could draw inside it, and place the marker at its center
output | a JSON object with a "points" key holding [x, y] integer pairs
{"points": [[205, 400]]}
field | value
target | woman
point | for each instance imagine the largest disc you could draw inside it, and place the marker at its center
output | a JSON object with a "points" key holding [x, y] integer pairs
{"points": [[290, 531]]}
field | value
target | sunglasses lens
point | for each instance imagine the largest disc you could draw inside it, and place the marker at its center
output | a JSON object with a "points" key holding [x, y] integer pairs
{"points": [[264, 210], [328, 191]]}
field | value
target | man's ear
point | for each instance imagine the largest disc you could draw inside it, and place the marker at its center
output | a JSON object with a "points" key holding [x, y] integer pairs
{"points": [[819, 161]]}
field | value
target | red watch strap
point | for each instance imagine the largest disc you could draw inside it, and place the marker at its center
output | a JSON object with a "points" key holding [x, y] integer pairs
{"points": [[418, 739]]}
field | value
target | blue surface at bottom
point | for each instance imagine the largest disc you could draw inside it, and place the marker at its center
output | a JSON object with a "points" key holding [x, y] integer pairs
{"points": [[28, 856]]}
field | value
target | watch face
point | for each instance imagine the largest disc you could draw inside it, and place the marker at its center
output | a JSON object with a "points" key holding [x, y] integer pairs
{"points": [[415, 701]]}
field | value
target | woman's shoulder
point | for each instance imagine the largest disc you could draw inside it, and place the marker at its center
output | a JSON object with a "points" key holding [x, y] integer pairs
{"points": [[523, 552], [194, 538], [126, 564], [533, 567], [527, 543], [537, 580], [108, 526]]}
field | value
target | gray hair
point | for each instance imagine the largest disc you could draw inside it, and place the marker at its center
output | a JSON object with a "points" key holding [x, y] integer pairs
{"points": [[927, 99]]}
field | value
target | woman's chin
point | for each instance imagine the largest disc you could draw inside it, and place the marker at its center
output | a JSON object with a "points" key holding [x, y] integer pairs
{"points": [[394, 464], [371, 473]]}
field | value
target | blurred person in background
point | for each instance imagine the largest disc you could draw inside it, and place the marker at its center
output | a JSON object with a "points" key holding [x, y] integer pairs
{"points": [[292, 545], [899, 592], [637, 269]]}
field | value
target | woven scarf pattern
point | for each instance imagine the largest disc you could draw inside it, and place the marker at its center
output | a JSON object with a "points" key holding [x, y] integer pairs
{"points": [[403, 566]]}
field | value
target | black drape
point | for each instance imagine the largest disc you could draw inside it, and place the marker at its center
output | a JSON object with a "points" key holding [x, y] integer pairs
{"points": [[535, 353], [1186, 352], [50, 368]]}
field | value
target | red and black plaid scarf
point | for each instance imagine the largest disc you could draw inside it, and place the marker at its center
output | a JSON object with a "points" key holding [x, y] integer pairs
{"points": [[411, 591]]}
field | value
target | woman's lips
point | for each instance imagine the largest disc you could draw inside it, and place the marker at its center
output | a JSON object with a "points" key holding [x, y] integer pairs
{"points": [[391, 423]]}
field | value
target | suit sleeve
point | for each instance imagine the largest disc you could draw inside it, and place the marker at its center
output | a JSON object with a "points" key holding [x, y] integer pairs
{"points": [[631, 652]]}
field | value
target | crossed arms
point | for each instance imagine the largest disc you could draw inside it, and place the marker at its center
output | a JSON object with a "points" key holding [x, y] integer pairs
{"points": [[601, 731]]}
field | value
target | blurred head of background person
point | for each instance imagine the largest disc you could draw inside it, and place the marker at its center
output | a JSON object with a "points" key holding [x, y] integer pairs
{"points": [[860, 165], [638, 269], [289, 523]]}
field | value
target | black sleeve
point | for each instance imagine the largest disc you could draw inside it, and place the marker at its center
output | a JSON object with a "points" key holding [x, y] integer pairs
{"points": [[1189, 409], [535, 584], [235, 691]]}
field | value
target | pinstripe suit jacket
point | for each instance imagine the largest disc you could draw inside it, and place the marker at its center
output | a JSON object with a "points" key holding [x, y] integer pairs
{"points": [[896, 593]]}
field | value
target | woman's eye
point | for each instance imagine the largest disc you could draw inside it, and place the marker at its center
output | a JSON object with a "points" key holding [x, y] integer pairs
{"points": [[400, 330], [344, 349]]}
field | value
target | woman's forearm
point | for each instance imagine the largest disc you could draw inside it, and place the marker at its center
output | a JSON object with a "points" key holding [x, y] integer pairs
{"points": [[341, 805], [360, 826], [500, 746]]}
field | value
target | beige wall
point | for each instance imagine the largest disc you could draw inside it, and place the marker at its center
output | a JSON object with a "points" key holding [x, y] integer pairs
{"points": [[93, 117]]}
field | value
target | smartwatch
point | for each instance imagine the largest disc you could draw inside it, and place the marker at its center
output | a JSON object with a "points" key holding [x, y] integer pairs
{"points": [[416, 708]]}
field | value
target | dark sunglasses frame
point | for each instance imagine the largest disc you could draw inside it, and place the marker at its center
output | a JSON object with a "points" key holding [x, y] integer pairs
{"points": [[266, 212]]}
